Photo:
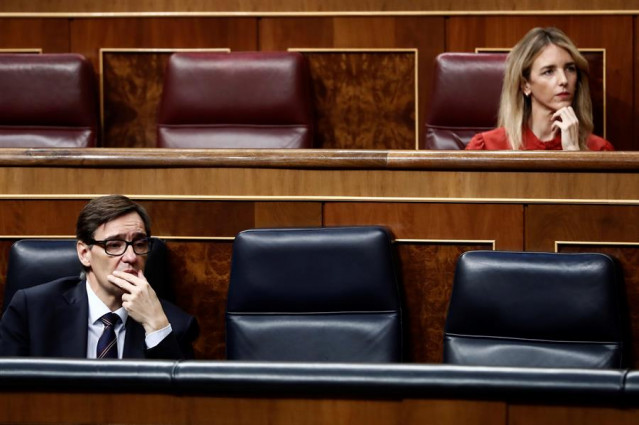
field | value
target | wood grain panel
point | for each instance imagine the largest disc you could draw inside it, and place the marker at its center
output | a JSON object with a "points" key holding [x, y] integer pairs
{"points": [[200, 218], [427, 272], [364, 100], [288, 214], [169, 218], [395, 184], [453, 412], [39, 217], [635, 76], [569, 415], [88, 35], [628, 258], [426, 34], [311, 6], [293, 411], [17, 407], [51, 35], [132, 88], [87, 408], [200, 274], [546, 224], [463, 222], [612, 33]]}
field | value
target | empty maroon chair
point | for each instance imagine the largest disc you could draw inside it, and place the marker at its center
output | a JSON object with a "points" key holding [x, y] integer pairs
{"points": [[236, 100], [465, 98], [47, 101]]}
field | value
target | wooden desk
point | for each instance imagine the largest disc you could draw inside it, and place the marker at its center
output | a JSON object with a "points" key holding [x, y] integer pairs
{"points": [[437, 204]]}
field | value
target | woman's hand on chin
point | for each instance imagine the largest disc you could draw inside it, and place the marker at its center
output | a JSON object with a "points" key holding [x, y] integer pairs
{"points": [[565, 121]]}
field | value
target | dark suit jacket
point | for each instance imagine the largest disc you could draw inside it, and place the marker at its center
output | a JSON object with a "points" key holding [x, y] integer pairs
{"points": [[50, 320]]}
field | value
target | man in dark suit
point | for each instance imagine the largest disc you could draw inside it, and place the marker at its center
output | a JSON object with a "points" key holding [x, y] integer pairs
{"points": [[111, 311]]}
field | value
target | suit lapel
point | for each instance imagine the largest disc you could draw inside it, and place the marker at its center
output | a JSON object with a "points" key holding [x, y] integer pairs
{"points": [[75, 311], [72, 336]]}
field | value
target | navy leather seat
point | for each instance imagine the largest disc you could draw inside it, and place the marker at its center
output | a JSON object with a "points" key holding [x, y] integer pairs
{"points": [[36, 261], [314, 294], [536, 310]]}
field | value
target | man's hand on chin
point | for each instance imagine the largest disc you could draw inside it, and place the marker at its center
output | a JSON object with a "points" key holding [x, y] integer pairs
{"points": [[139, 299]]}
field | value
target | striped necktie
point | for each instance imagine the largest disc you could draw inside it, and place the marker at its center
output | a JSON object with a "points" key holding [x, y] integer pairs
{"points": [[108, 342]]}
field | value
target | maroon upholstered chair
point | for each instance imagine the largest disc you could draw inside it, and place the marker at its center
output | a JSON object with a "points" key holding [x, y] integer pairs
{"points": [[236, 100], [47, 100], [465, 98]]}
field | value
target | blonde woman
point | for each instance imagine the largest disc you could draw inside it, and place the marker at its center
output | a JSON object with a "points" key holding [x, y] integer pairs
{"points": [[545, 99]]}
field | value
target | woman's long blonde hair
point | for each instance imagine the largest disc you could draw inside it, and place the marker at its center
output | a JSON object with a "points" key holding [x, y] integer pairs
{"points": [[515, 108]]}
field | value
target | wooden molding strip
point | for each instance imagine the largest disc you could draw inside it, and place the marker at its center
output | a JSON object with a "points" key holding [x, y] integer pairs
{"points": [[287, 14], [321, 159]]}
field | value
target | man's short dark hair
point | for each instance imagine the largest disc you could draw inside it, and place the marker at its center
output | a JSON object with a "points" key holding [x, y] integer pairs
{"points": [[104, 209]]}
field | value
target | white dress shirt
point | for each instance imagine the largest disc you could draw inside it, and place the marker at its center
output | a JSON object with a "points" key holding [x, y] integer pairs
{"points": [[98, 309]]}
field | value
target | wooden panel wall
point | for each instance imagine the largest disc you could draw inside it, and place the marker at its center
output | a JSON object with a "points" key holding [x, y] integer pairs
{"points": [[50, 35], [87, 36], [434, 216], [426, 34], [93, 408], [429, 35]]}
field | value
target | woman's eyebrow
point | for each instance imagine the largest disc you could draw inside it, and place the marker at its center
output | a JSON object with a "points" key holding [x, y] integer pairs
{"points": [[545, 67]]}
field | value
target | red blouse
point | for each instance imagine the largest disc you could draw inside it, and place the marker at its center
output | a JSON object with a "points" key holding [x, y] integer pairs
{"points": [[496, 140]]}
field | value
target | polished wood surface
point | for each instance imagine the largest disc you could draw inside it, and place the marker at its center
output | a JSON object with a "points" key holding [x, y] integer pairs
{"points": [[291, 6], [565, 415], [17, 408], [87, 36], [89, 408], [347, 116], [334, 159], [50, 35]]}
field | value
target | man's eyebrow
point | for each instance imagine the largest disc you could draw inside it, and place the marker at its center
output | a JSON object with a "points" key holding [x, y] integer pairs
{"points": [[122, 236]]}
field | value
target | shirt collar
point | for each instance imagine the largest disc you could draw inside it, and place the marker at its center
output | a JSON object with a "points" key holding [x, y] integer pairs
{"points": [[98, 309]]}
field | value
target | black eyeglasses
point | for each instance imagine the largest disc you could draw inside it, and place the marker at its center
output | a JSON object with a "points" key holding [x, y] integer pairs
{"points": [[117, 247]]}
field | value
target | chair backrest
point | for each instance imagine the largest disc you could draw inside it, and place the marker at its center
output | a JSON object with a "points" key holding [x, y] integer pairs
{"points": [[465, 98], [314, 294], [236, 100], [536, 310], [36, 261], [47, 101]]}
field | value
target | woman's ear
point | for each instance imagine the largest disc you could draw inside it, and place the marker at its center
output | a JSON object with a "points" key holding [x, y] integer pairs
{"points": [[525, 88], [84, 253]]}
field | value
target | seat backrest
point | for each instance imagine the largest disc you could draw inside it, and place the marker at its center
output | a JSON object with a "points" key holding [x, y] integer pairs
{"points": [[314, 294], [36, 261], [536, 310], [465, 98], [47, 101], [236, 100]]}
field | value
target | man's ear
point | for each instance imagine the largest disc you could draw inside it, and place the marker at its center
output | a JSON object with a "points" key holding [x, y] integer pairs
{"points": [[84, 253]]}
